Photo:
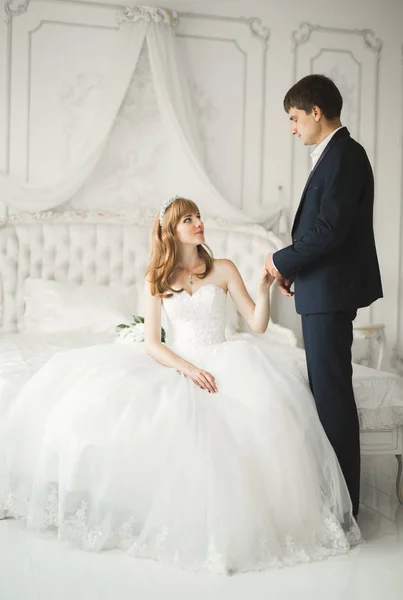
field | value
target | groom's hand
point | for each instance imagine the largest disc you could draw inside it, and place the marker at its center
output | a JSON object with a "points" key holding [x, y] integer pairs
{"points": [[282, 283], [284, 286], [270, 268]]}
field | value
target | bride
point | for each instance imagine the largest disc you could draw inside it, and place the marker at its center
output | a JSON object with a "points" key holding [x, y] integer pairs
{"points": [[204, 453]]}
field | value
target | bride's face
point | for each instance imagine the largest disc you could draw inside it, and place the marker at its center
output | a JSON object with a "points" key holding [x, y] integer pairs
{"points": [[190, 230]]}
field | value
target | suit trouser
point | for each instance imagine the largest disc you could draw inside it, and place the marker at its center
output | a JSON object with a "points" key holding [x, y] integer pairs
{"points": [[328, 339]]}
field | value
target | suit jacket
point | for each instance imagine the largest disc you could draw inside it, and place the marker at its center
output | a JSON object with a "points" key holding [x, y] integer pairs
{"points": [[333, 257]]}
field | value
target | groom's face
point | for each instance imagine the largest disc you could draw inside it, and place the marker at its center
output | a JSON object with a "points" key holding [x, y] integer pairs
{"points": [[304, 126]]}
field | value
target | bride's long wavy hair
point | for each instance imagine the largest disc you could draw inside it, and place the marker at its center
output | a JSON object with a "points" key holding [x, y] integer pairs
{"points": [[165, 248]]}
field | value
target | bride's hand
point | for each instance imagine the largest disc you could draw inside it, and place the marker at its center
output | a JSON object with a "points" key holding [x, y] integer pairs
{"points": [[203, 379], [266, 279]]}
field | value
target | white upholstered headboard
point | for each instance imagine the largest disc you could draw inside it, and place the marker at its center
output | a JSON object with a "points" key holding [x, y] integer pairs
{"points": [[104, 248]]}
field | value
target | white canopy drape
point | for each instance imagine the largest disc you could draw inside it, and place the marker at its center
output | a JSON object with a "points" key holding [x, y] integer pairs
{"points": [[185, 174]]}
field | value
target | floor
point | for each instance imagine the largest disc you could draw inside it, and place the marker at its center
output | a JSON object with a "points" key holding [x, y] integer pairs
{"points": [[32, 568]]}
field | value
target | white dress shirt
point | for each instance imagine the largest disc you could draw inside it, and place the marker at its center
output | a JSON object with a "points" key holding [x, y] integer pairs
{"points": [[316, 154]]}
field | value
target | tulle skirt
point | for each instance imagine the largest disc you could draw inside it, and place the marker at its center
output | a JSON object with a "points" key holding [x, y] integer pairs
{"points": [[109, 449]]}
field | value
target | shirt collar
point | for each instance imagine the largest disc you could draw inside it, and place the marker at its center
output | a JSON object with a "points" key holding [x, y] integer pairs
{"points": [[317, 152]]}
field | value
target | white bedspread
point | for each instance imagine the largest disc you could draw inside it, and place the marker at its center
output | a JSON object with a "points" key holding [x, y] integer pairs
{"points": [[378, 395], [21, 355]]}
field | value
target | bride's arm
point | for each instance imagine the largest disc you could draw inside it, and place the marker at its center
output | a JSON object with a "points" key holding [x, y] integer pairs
{"points": [[256, 315], [161, 353], [152, 335]]}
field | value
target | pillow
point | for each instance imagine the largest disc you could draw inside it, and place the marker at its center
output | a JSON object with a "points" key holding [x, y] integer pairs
{"points": [[60, 306]]}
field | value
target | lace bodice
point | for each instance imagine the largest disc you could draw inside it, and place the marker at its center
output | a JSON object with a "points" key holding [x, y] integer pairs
{"points": [[197, 320]]}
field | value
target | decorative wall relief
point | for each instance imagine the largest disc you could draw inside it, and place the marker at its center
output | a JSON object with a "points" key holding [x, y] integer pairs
{"points": [[227, 59], [14, 8], [77, 99], [350, 57]]}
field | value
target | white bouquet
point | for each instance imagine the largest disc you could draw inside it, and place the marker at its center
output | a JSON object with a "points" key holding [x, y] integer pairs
{"points": [[135, 331]]}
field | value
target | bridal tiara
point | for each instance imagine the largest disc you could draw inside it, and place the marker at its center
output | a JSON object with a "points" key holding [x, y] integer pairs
{"points": [[166, 205]]}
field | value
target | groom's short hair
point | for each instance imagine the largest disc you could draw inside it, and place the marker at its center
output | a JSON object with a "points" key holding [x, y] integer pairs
{"points": [[315, 90]]}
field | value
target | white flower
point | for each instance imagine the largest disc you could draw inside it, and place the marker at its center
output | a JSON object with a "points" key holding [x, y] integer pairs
{"points": [[134, 333], [138, 332]]}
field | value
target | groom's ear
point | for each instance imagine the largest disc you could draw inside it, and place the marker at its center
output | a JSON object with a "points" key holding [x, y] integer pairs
{"points": [[317, 113]]}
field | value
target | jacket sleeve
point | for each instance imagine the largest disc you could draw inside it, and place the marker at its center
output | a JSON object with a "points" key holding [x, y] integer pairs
{"points": [[338, 210]]}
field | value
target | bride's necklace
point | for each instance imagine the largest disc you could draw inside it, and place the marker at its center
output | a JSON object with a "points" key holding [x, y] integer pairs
{"points": [[191, 275]]}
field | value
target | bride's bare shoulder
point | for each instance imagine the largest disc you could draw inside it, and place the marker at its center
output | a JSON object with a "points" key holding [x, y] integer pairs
{"points": [[224, 265], [226, 271]]}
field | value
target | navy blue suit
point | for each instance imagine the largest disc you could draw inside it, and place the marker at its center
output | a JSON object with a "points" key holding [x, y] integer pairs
{"points": [[334, 265]]}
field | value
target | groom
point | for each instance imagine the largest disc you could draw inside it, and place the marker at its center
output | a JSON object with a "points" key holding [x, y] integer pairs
{"points": [[332, 260]]}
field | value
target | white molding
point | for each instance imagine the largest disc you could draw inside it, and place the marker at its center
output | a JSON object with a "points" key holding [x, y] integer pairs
{"points": [[258, 29], [147, 13], [303, 34], [251, 37], [19, 68], [14, 11], [397, 355], [248, 34]]}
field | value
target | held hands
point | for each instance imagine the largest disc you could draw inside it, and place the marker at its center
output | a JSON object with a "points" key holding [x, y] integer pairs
{"points": [[282, 283], [266, 278], [270, 268], [203, 379], [284, 286]]}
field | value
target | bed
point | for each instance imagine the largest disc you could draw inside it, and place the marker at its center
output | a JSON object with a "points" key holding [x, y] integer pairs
{"points": [[67, 279]]}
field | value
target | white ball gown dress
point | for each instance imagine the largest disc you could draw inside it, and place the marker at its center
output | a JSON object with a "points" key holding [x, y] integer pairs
{"points": [[110, 449]]}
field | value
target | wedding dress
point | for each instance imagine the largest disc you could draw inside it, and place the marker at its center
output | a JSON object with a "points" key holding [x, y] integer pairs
{"points": [[112, 450]]}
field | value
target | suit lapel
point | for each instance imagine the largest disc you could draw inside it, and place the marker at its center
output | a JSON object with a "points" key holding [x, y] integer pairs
{"points": [[337, 136]]}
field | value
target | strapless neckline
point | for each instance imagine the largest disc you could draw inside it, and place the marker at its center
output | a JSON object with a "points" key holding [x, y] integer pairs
{"points": [[207, 285]]}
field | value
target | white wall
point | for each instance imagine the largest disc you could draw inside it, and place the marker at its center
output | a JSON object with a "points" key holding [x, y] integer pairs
{"points": [[241, 57]]}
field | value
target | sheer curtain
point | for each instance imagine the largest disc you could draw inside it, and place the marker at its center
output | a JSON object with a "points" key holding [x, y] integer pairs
{"points": [[178, 167]]}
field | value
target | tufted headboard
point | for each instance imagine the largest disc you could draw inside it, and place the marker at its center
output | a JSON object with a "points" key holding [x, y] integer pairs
{"points": [[105, 249]]}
